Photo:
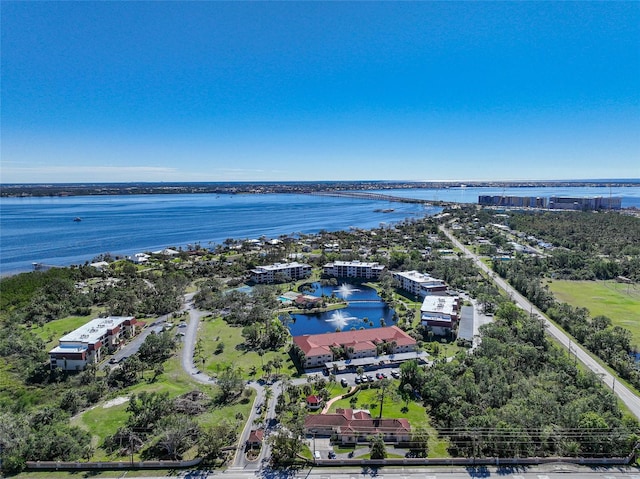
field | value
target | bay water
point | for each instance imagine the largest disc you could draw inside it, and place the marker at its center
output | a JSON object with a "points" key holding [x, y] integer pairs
{"points": [[43, 229]]}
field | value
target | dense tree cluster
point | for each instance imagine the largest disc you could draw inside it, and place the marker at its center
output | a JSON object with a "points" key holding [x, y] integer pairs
{"points": [[518, 395], [611, 343], [588, 245], [43, 435]]}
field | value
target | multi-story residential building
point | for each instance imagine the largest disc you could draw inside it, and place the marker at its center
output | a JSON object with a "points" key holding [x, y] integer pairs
{"points": [[270, 273], [353, 269], [362, 343], [553, 202], [585, 203], [440, 313], [420, 284], [87, 343]]}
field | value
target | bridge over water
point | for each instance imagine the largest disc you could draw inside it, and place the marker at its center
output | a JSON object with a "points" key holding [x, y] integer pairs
{"points": [[365, 195]]}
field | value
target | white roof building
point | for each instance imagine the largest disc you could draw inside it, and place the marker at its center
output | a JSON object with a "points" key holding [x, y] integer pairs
{"points": [[419, 284], [354, 269], [267, 273], [440, 313], [84, 345]]}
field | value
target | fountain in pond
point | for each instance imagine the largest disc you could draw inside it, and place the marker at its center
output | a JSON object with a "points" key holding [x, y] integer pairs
{"points": [[345, 290], [340, 319]]}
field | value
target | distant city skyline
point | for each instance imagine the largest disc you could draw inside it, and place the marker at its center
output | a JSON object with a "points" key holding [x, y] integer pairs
{"points": [[302, 91]]}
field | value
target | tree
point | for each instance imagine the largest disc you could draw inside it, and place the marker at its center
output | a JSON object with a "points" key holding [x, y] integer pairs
{"points": [[230, 383], [71, 402], [213, 439], [177, 435], [285, 445], [420, 441], [378, 449], [147, 409]]}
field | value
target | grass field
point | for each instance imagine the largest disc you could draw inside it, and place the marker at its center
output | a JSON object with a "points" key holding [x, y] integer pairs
{"points": [[103, 421], [214, 330], [416, 415], [620, 302], [53, 330]]}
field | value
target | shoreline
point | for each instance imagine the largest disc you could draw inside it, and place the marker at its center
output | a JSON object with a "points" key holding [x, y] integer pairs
{"points": [[15, 190]]}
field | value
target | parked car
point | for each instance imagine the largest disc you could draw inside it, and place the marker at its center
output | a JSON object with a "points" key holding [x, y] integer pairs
{"points": [[378, 375], [369, 378], [344, 382], [358, 379], [332, 455], [395, 374]]}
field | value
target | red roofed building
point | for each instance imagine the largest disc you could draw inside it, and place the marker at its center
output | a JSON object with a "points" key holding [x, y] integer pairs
{"points": [[358, 344], [255, 439], [314, 402], [356, 426]]}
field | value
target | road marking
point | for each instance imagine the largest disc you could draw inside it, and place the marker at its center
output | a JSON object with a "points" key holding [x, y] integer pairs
{"points": [[543, 476], [518, 477]]}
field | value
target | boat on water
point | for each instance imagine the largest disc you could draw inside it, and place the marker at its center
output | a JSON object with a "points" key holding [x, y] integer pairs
{"points": [[387, 210], [77, 219]]}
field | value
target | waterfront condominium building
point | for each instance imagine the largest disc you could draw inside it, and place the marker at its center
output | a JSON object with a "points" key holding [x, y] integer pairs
{"points": [[440, 313], [420, 284], [318, 349], [353, 269], [86, 344], [273, 272]]}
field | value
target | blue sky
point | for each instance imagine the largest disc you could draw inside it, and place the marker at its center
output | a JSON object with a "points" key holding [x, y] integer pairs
{"points": [[217, 91]]}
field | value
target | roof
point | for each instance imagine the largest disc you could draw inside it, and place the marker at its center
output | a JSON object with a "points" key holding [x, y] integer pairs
{"points": [[313, 399], [256, 436], [279, 267], [350, 420], [440, 304], [421, 278], [317, 344], [357, 264], [95, 329], [66, 348]]}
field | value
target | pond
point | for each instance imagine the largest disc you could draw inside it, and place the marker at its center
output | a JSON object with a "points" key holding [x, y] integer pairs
{"points": [[363, 303]]}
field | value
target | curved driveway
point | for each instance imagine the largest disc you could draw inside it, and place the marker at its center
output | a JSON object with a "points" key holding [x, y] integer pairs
{"points": [[188, 349], [626, 396]]}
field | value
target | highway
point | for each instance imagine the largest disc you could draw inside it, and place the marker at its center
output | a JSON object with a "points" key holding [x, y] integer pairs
{"points": [[626, 396]]}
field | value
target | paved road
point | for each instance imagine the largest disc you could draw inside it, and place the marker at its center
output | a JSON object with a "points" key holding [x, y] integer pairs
{"points": [[626, 396], [546, 472], [188, 350]]}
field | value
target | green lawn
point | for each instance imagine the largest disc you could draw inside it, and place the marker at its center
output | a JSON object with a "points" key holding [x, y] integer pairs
{"points": [[214, 330], [54, 330], [102, 421], [618, 301], [416, 415]]}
